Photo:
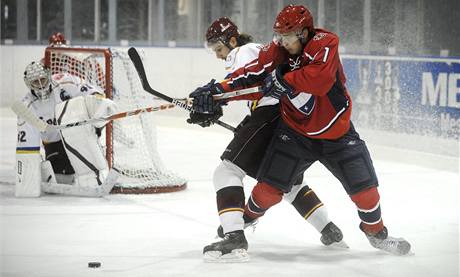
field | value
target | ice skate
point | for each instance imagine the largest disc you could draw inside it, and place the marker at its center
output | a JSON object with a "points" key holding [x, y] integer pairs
{"points": [[395, 246], [253, 223], [332, 236], [232, 248]]}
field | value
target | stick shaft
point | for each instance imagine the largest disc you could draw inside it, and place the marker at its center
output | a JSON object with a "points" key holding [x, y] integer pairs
{"points": [[21, 110], [136, 59]]}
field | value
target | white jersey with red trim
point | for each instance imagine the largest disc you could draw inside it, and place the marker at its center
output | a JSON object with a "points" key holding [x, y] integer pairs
{"points": [[241, 56], [66, 87]]}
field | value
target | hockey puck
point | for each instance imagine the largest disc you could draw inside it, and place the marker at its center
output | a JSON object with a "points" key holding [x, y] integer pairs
{"points": [[94, 264]]}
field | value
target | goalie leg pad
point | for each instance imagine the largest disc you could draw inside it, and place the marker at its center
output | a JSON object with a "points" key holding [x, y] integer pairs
{"points": [[81, 143], [28, 175], [47, 172], [77, 190]]}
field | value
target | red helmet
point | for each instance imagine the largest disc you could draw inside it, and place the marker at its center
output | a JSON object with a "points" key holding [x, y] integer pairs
{"points": [[56, 39], [223, 29], [293, 18]]}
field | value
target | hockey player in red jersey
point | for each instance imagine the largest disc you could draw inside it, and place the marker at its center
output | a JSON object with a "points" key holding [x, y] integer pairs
{"points": [[245, 152], [302, 68]]}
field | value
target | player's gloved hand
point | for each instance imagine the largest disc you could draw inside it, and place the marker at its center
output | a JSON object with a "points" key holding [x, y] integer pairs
{"points": [[203, 101], [274, 84], [205, 119]]}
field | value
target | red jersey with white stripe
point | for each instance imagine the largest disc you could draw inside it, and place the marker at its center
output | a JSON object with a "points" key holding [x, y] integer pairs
{"points": [[319, 106]]}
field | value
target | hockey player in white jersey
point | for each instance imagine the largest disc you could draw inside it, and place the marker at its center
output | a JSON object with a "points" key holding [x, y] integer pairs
{"points": [[243, 156], [74, 162]]}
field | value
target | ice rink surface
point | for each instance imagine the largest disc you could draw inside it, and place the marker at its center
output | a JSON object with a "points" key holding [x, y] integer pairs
{"points": [[164, 234]]}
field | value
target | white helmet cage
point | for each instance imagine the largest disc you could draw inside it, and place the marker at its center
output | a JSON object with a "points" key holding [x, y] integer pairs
{"points": [[38, 79]]}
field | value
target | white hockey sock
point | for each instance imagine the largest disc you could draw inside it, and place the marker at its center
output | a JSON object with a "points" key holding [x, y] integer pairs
{"points": [[319, 218], [232, 221]]}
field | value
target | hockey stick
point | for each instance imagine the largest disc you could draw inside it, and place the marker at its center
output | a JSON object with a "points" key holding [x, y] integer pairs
{"points": [[224, 96], [235, 93], [136, 59], [21, 110]]}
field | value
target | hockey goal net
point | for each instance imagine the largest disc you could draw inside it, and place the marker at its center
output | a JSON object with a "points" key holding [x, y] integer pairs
{"points": [[131, 142]]}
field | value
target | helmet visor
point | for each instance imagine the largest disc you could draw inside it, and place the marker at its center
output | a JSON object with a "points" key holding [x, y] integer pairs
{"points": [[287, 38], [214, 45], [218, 48]]}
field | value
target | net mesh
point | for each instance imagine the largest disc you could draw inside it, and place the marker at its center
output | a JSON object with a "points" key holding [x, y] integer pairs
{"points": [[132, 141]]}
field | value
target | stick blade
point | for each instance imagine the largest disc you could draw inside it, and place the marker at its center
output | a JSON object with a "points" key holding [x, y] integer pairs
{"points": [[137, 62]]}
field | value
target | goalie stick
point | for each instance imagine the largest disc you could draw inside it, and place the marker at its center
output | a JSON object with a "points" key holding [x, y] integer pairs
{"points": [[136, 59], [24, 112]]}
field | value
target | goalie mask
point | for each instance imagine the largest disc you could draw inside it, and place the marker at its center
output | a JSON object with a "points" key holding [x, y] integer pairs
{"points": [[38, 79]]}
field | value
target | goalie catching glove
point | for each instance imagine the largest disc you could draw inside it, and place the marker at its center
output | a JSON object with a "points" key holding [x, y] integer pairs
{"points": [[206, 110]]}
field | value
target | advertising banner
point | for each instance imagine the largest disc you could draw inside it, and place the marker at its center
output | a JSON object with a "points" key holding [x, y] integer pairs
{"points": [[405, 95]]}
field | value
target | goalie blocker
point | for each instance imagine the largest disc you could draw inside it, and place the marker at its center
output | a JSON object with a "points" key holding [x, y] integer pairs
{"points": [[92, 177]]}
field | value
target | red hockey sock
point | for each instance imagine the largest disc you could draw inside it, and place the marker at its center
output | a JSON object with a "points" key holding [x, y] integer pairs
{"points": [[263, 196], [369, 212]]}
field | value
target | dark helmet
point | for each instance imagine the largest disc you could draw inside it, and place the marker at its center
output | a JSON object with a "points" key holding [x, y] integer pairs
{"points": [[223, 29], [293, 18]]}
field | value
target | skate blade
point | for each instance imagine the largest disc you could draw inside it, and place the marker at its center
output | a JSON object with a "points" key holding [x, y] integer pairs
{"points": [[405, 250], [340, 245], [236, 256]]}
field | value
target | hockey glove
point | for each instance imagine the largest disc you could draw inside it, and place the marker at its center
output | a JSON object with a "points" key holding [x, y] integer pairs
{"points": [[205, 119], [203, 101], [274, 85]]}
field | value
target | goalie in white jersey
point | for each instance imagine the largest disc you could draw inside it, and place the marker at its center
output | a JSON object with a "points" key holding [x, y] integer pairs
{"points": [[74, 160], [244, 154]]}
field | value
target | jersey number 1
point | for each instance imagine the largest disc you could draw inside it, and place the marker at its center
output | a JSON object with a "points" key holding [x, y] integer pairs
{"points": [[325, 54]]}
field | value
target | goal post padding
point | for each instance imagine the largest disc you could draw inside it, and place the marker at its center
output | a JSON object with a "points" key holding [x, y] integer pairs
{"points": [[130, 143]]}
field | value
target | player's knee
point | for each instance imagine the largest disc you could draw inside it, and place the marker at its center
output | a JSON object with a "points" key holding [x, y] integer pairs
{"points": [[366, 199], [296, 190], [265, 195], [228, 174]]}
